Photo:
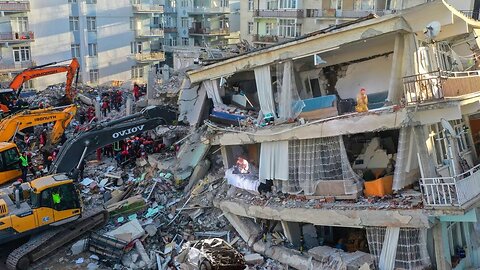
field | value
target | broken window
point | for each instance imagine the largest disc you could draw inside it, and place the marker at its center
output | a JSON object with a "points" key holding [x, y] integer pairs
{"points": [[411, 248]]}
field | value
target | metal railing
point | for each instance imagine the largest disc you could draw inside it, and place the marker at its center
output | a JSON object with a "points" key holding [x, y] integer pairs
{"points": [[9, 6], [170, 29], [451, 191], [148, 8], [16, 65], [279, 13], [472, 14], [152, 32], [17, 36], [206, 10], [319, 13], [424, 87], [153, 56], [209, 31]]}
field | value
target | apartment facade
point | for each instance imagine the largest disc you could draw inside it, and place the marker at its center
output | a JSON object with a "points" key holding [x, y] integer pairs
{"points": [[117, 41], [395, 186], [266, 22]]}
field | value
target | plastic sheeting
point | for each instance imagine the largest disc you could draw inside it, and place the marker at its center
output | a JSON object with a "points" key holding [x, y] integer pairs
{"points": [[411, 247], [263, 80], [314, 160], [212, 92], [389, 249], [274, 161], [289, 103]]}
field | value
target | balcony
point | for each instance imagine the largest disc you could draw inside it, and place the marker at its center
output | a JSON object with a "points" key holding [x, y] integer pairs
{"points": [[209, 32], [280, 13], [268, 39], [16, 66], [170, 30], [147, 33], [457, 191], [16, 37], [209, 10], [472, 14], [9, 6], [333, 13], [148, 8], [437, 85], [150, 57]]}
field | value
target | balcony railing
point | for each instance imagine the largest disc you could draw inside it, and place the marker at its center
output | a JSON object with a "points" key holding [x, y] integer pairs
{"points": [[438, 85], [454, 191], [16, 36], [152, 32], [16, 65], [209, 10], [9, 6], [472, 14], [141, 8], [280, 13], [147, 57], [319, 13], [170, 29], [208, 31], [265, 39]]}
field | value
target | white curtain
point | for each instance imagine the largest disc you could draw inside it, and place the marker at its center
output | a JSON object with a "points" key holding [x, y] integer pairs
{"points": [[389, 249], [263, 80], [212, 92], [289, 105], [274, 161]]}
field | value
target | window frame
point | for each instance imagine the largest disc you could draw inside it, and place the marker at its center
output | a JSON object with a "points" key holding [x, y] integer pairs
{"points": [[91, 23], [74, 23]]}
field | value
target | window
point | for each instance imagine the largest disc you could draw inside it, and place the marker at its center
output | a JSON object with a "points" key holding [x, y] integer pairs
{"points": [[21, 54], [439, 143], [136, 47], [462, 138], [156, 20], [172, 42], [73, 23], [64, 197], [268, 28], [93, 75], [91, 1], [92, 49], [10, 158], [46, 198], [75, 48], [72, 1], [288, 28], [184, 3], [250, 5], [91, 23], [250, 27], [272, 4], [20, 24], [224, 3], [363, 5], [137, 72], [135, 2], [287, 4], [185, 41], [185, 22]]}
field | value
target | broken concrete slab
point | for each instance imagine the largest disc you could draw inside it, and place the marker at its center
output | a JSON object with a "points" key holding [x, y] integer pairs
{"points": [[78, 247], [253, 259], [128, 232], [151, 230], [126, 206]]}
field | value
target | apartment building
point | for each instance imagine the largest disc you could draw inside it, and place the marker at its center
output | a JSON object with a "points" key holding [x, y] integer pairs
{"points": [[114, 41], [393, 186], [266, 22]]}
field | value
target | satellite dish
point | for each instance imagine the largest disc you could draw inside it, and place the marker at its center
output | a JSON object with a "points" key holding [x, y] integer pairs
{"points": [[432, 29], [446, 125]]}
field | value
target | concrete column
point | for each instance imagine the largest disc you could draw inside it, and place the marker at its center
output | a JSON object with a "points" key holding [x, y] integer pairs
{"points": [[128, 106], [293, 232], [395, 88], [438, 242], [425, 160], [98, 111]]}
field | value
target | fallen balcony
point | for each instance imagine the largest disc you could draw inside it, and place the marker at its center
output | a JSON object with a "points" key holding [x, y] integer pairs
{"points": [[458, 191], [8, 6]]}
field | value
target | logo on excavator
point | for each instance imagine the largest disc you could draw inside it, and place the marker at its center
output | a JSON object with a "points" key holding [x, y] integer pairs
{"points": [[127, 131], [46, 118]]}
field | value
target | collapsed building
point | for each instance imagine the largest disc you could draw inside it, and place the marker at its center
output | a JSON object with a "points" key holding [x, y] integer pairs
{"points": [[398, 184]]}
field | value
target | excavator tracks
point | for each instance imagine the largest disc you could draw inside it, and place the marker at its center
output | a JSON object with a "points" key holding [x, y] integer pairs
{"points": [[54, 238]]}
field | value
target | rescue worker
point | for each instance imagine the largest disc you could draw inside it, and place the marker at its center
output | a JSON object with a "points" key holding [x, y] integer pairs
{"points": [[23, 160], [136, 91]]}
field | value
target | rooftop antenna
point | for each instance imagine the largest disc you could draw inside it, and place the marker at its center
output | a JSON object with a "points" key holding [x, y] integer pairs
{"points": [[432, 30]]}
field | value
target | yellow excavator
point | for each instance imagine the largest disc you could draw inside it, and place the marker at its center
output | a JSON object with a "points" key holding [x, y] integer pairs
{"points": [[10, 126], [49, 209]]}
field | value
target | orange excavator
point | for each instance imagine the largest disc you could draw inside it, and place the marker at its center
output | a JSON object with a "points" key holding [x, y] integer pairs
{"points": [[15, 87]]}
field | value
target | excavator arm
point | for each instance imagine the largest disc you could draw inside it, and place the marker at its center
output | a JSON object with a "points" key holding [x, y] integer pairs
{"points": [[45, 70], [11, 125], [75, 149]]}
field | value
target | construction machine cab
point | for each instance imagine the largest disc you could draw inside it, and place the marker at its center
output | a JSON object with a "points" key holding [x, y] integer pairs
{"points": [[9, 165]]}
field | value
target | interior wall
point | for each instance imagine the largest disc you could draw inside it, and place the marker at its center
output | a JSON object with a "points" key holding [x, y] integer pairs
{"points": [[349, 85]]}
